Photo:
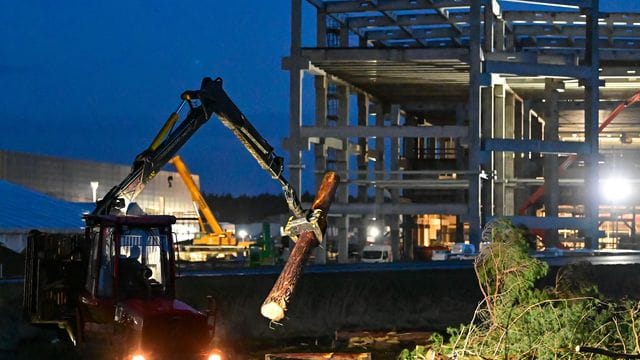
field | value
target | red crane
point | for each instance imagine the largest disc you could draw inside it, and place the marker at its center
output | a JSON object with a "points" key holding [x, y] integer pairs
{"points": [[572, 158]]}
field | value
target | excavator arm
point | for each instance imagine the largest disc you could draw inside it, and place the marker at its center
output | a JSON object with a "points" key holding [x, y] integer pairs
{"points": [[209, 100], [218, 102]]}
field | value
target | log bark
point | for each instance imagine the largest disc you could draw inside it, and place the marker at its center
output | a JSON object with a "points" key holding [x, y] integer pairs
{"points": [[274, 306]]}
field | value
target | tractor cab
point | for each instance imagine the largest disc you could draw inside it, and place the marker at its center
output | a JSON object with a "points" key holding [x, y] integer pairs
{"points": [[113, 289], [130, 257]]}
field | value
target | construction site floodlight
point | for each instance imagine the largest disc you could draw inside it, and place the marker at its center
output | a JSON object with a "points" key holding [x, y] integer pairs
{"points": [[373, 231], [615, 189]]}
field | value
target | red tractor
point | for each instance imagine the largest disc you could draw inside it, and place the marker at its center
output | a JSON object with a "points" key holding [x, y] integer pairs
{"points": [[113, 287]]}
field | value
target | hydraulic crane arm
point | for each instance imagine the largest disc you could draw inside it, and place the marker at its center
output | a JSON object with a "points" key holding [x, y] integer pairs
{"points": [[147, 164], [212, 100], [217, 101]]}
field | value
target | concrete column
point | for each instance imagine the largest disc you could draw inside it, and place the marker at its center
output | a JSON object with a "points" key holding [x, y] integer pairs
{"points": [[522, 161], [342, 223], [379, 164], [489, 22], [295, 98], [509, 158], [509, 40], [499, 157], [409, 149], [362, 164], [592, 97], [342, 166], [409, 235], [550, 162], [321, 29], [487, 192], [394, 223], [475, 70], [461, 119], [320, 152], [499, 35]]}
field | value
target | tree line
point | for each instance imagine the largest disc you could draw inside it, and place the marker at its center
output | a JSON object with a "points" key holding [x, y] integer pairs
{"points": [[248, 209]]}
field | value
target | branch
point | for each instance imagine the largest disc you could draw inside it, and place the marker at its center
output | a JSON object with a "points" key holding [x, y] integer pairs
{"points": [[605, 352]]}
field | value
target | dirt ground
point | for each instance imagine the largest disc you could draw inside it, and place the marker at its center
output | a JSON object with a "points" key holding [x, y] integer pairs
{"points": [[20, 340], [324, 303]]}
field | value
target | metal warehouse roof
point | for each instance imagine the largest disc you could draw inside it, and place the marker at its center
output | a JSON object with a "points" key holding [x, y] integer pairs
{"points": [[22, 209]]}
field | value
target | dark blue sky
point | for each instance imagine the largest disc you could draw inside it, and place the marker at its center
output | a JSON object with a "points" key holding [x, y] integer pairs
{"points": [[96, 80]]}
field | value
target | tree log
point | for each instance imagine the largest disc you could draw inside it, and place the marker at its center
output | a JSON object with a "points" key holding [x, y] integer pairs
{"points": [[275, 304]]}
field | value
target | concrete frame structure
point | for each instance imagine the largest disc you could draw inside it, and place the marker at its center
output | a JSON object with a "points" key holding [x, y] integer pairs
{"points": [[461, 108]]}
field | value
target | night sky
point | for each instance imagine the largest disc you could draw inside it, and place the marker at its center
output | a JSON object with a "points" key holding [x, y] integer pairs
{"points": [[96, 80]]}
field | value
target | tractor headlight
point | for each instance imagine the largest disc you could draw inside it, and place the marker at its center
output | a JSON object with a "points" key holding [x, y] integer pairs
{"points": [[215, 355]]}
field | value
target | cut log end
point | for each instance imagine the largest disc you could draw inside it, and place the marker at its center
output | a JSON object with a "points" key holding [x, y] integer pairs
{"points": [[272, 311]]}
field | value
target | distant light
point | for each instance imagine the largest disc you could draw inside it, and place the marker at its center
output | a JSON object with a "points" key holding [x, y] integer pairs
{"points": [[243, 233], [615, 188], [138, 357], [373, 231]]}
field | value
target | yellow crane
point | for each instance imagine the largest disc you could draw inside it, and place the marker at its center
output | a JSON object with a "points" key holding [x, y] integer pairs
{"points": [[212, 233]]}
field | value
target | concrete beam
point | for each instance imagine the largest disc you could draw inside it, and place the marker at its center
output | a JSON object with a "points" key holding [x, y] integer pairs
{"points": [[533, 222], [384, 131], [536, 146], [380, 5], [528, 69], [376, 54], [394, 209]]}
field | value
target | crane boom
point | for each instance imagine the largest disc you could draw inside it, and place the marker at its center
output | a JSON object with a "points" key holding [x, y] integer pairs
{"points": [[212, 100], [196, 195]]}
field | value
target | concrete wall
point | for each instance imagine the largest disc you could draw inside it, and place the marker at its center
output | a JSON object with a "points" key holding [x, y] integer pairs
{"points": [[70, 180], [400, 300]]}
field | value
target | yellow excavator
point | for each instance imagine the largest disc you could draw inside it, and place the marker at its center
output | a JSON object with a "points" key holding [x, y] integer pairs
{"points": [[213, 241]]}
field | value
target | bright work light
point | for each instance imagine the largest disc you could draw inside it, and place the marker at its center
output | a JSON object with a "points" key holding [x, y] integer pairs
{"points": [[615, 189], [373, 231]]}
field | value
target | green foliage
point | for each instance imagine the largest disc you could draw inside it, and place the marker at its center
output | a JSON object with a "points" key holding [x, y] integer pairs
{"points": [[517, 321]]}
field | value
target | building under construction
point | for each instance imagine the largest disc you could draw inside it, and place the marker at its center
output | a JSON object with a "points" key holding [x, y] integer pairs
{"points": [[440, 115]]}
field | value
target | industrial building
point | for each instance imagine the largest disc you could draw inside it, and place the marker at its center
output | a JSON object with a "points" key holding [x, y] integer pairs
{"points": [[440, 115], [84, 182]]}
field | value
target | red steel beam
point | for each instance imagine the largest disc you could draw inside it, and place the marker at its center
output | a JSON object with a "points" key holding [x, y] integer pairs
{"points": [[533, 198]]}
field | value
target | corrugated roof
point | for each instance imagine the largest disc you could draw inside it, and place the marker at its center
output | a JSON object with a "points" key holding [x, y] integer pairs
{"points": [[23, 209]]}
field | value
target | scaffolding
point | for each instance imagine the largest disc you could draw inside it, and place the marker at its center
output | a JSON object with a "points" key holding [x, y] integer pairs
{"points": [[463, 110]]}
